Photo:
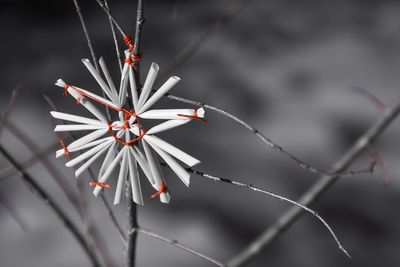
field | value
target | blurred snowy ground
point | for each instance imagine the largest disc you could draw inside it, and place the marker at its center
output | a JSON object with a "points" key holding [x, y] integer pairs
{"points": [[286, 67]]}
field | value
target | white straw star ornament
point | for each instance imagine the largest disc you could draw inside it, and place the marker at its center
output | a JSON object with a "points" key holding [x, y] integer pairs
{"points": [[119, 141]]}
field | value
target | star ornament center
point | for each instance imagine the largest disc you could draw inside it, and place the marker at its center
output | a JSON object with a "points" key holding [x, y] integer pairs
{"points": [[124, 142]]}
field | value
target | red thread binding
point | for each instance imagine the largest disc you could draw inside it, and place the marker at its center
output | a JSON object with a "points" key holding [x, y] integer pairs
{"points": [[78, 100], [104, 185], [129, 143], [163, 189], [128, 42], [194, 116], [134, 59], [66, 86], [66, 152]]}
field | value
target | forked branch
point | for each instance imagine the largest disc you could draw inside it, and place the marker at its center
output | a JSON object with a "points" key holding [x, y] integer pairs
{"points": [[317, 190]]}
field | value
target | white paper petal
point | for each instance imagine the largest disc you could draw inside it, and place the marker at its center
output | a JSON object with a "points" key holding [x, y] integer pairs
{"points": [[94, 97], [135, 181], [77, 127], [109, 80], [123, 173], [171, 82], [166, 126], [108, 172], [87, 164], [125, 68], [108, 159], [99, 80], [123, 91], [155, 171], [61, 152], [134, 129], [174, 151], [87, 139], [75, 118], [87, 154], [132, 83], [87, 104], [137, 154], [167, 114], [178, 169], [148, 84]]}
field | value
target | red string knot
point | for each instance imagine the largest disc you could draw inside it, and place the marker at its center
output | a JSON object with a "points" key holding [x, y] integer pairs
{"points": [[104, 185], [134, 59], [163, 189], [194, 116], [128, 42], [66, 86], [66, 152]]}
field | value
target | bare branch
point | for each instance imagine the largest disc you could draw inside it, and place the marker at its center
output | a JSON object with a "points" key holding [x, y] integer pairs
{"points": [[86, 32], [38, 191], [262, 137], [92, 177], [132, 211], [51, 169], [194, 46], [89, 43], [114, 37], [9, 107], [259, 190], [317, 190], [20, 221], [176, 244], [108, 12]]}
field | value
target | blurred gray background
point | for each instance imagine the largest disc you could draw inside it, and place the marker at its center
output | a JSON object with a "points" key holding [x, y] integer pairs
{"points": [[286, 67]]}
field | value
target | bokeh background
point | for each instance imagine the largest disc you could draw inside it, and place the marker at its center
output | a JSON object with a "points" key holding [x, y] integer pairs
{"points": [[285, 66]]}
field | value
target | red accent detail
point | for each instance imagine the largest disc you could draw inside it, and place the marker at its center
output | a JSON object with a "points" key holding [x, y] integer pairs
{"points": [[95, 99], [127, 115], [129, 143], [67, 153], [66, 89], [78, 100], [163, 189], [128, 42], [104, 185], [194, 116], [134, 59]]}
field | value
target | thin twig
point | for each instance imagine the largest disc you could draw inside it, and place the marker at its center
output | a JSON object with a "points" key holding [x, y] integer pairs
{"points": [[132, 209], [114, 37], [317, 190], [51, 169], [194, 46], [3, 200], [86, 32], [20, 221], [178, 245], [261, 136], [259, 190], [38, 191], [10, 106], [9, 171], [89, 43], [92, 177], [108, 12]]}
